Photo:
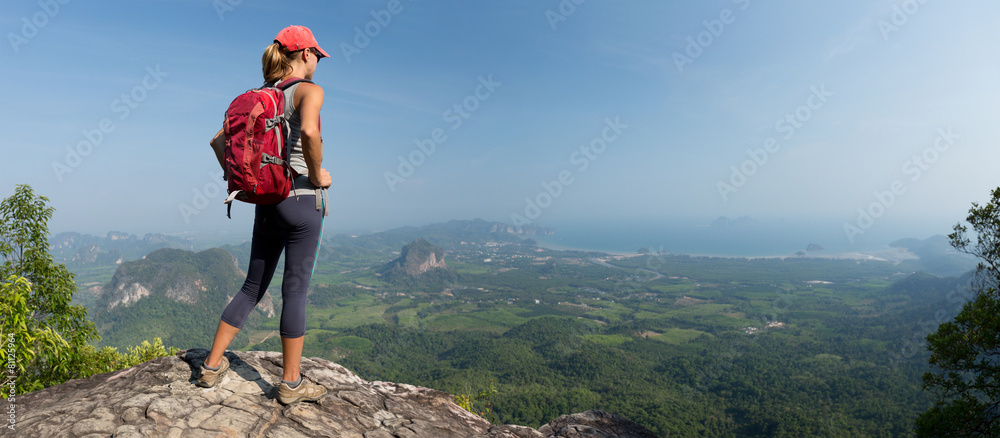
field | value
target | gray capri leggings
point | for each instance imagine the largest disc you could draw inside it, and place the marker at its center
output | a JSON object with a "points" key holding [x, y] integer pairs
{"points": [[295, 226]]}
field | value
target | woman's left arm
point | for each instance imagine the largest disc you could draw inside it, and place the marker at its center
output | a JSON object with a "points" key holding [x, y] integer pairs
{"points": [[312, 140]]}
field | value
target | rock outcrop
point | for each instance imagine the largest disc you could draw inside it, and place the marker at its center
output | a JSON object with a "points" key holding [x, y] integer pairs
{"points": [[724, 222], [593, 424], [814, 247], [160, 398], [419, 262], [419, 257], [182, 276], [177, 273]]}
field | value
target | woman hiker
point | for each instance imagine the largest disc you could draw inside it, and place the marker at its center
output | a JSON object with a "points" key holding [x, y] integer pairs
{"points": [[294, 225]]}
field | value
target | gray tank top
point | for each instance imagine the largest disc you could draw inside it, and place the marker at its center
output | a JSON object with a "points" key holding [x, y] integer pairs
{"points": [[295, 157]]}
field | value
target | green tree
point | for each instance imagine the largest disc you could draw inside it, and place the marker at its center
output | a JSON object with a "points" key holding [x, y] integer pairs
{"points": [[965, 370], [480, 404], [43, 334], [22, 338], [24, 249]]}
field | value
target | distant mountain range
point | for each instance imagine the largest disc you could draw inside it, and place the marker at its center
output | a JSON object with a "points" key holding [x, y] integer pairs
{"points": [[348, 248], [75, 249], [723, 222], [936, 256], [444, 234], [178, 295]]}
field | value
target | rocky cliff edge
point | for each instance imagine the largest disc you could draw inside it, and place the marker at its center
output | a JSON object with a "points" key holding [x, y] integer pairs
{"points": [[159, 398]]}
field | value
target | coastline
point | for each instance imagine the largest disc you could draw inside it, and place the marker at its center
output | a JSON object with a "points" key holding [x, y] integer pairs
{"points": [[762, 239], [556, 247], [886, 254]]}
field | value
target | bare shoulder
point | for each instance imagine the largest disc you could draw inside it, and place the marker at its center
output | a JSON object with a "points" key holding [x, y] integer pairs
{"points": [[308, 90], [307, 93]]}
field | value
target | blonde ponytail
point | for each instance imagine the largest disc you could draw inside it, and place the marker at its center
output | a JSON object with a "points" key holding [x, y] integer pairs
{"points": [[276, 63]]}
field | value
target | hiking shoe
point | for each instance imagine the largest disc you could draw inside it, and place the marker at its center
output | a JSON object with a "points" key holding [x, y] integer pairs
{"points": [[306, 391], [210, 378]]}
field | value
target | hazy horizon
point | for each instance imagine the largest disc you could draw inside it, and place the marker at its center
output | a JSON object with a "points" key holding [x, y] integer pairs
{"points": [[869, 121], [765, 237]]}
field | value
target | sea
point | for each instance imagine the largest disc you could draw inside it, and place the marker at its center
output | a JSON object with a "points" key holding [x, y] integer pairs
{"points": [[733, 238]]}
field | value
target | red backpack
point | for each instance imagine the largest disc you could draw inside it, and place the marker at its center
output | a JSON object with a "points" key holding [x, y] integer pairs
{"points": [[256, 131]]}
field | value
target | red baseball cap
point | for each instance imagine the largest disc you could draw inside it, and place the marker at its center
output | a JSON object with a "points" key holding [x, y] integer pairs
{"points": [[297, 38]]}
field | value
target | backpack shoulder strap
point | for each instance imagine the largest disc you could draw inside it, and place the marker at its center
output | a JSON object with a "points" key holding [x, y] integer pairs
{"points": [[289, 82]]}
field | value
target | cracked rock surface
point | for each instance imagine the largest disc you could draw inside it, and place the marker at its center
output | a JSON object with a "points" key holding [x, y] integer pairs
{"points": [[159, 398]]}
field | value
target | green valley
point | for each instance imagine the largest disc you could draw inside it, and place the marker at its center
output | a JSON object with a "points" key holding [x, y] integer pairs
{"points": [[685, 346]]}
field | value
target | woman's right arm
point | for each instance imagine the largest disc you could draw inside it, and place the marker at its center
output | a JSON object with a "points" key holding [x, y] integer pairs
{"points": [[219, 145]]}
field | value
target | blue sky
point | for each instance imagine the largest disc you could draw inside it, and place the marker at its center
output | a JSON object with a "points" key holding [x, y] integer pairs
{"points": [[602, 111]]}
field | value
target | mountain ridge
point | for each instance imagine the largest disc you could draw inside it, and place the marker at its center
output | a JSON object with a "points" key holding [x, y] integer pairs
{"points": [[78, 249], [172, 294]]}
